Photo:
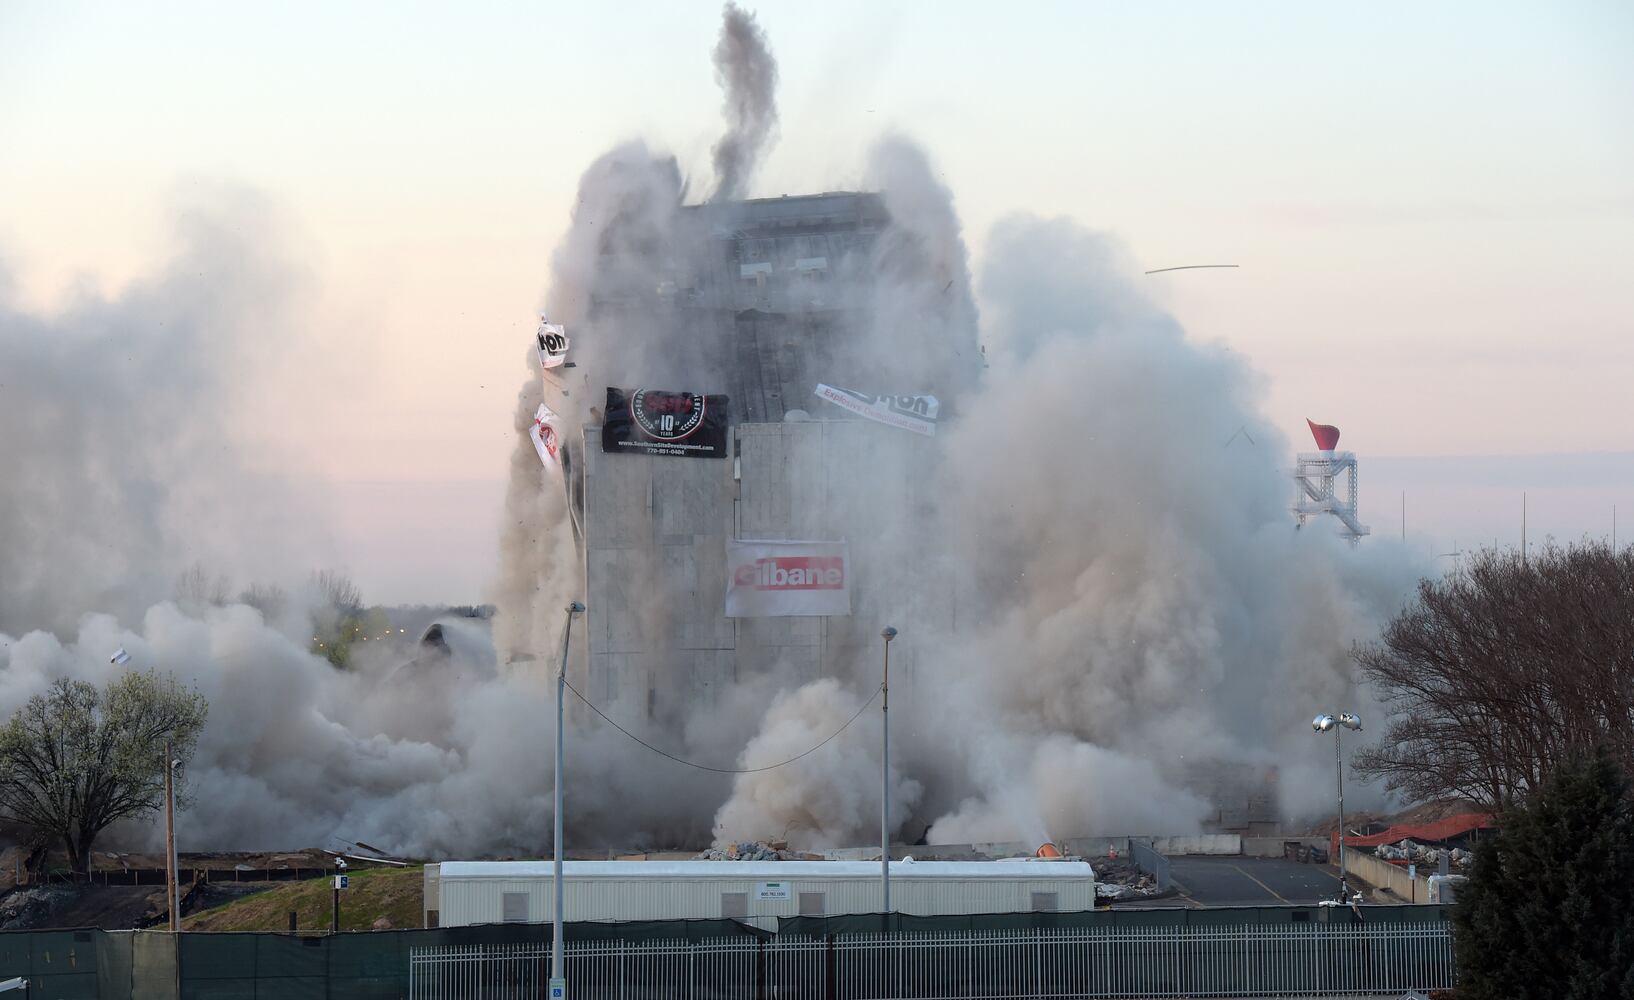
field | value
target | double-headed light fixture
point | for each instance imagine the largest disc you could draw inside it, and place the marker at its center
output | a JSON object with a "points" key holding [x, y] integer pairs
{"points": [[1336, 724]]}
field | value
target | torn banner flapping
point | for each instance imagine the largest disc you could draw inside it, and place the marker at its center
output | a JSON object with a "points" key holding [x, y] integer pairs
{"points": [[546, 435], [911, 413]]}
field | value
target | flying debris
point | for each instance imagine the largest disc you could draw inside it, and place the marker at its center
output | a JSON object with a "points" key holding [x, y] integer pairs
{"points": [[546, 436], [553, 344]]}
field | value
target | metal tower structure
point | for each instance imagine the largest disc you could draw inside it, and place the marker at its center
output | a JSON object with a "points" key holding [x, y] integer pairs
{"points": [[1316, 478]]}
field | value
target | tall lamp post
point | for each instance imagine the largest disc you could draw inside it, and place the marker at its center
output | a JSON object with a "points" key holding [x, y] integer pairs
{"points": [[887, 634], [1322, 724], [558, 980]]}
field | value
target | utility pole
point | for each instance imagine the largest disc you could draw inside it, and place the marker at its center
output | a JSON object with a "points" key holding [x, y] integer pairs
{"points": [[334, 906], [885, 778], [170, 841]]}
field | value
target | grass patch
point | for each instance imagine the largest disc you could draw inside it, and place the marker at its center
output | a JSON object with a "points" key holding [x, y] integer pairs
{"points": [[393, 893]]}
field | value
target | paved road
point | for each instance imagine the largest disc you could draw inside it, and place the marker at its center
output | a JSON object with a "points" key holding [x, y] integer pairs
{"points": [[1237, 881]]}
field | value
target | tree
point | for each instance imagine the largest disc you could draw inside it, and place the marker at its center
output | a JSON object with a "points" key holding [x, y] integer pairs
{"points": [[1502, 669], [341, 619], [1549, 907], [338, 592], [267, 598], [75, 759], [196, 589]]}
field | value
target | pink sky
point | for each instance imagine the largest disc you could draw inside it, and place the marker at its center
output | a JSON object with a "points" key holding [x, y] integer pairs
{"points": [[1433, 209]]}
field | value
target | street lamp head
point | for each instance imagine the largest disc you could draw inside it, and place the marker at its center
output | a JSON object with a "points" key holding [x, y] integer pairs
{"points": [[889, 632], [1350, 720], [575, 608], [119, 657], [1322, 723], [176, 764]]}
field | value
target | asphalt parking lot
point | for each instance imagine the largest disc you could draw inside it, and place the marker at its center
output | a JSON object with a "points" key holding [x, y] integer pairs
{"points": [[1238, 881]]}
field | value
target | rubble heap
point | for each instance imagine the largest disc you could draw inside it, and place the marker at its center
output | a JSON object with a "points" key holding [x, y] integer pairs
{"points": [[1119, 879], [754, 850]]}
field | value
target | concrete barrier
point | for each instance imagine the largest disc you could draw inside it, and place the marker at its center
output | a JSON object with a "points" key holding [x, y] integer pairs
{"points": [[1384, 875], [1272, 847], [1207, 843], [1089, 848]]}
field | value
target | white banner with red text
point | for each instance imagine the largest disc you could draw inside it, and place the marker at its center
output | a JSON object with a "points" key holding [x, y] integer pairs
{"points": [[779, 579]]}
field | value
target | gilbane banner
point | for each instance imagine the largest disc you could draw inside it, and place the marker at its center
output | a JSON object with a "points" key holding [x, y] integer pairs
{"points": [[780, 579], [911, 413]]}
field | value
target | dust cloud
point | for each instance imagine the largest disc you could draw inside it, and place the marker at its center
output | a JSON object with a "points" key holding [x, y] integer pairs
{"points": [[1136, 610]]}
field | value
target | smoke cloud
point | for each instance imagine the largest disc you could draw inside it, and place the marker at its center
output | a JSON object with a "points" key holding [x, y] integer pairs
{"points": [[1105, 609], [1139, 628], [118, 449], [746, 71]]}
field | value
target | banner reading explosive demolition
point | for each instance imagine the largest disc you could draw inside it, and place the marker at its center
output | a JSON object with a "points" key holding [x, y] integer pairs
{"points": [[779, 579], [911, 413], [654, 422]]}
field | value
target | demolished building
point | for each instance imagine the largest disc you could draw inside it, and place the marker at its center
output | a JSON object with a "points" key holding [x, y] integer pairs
{"points": [[765, 301]]}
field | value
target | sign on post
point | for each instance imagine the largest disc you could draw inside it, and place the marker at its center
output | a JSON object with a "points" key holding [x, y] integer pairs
{"points": [[558, 989], [343, 881]]}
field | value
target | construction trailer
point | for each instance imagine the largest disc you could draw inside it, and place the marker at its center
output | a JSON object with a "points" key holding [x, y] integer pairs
{"points": [[462, 893]]}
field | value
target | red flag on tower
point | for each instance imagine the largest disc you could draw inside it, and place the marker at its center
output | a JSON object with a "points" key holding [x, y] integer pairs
{"points": [[1327, 435]]}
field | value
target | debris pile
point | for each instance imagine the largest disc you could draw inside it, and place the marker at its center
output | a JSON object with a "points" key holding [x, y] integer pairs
{"points": [[31, 907], [1119, 879], [754, 850], [1409, 850]]}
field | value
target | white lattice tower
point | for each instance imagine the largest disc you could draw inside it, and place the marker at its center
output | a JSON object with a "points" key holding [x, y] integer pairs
{"points": [[1317, 488]]}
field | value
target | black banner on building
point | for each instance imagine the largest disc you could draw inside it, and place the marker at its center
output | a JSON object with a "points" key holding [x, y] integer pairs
{"points": [[654, 422]]}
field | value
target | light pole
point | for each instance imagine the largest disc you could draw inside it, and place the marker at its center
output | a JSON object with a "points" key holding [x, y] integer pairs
{"points": [[171, 872], [558, 981], [887, 634], [1321, 724], [334, 904], [120, 658]]}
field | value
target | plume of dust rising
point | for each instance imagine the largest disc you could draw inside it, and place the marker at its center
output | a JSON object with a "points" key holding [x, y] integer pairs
{"points": [[747, 73]]}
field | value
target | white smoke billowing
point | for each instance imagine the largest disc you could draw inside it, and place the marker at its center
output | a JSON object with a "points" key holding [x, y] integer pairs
{"points": [[747, 73], [1138, 621], [1134, 607], [1142, 614], [818, 799], [116, 411]]}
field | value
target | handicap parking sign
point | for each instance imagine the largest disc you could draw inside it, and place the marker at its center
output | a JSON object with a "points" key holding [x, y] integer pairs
{"points": [[558, 989]]}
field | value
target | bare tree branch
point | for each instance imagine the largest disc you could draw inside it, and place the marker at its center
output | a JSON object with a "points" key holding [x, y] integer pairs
{"points": [[1501, 670]]}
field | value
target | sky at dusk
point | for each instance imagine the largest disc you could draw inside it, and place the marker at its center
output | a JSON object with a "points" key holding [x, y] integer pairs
{"points": [[1432, 207]]}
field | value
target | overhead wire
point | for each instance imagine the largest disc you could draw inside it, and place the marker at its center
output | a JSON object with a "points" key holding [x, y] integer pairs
{"points": [[726, 770]]}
